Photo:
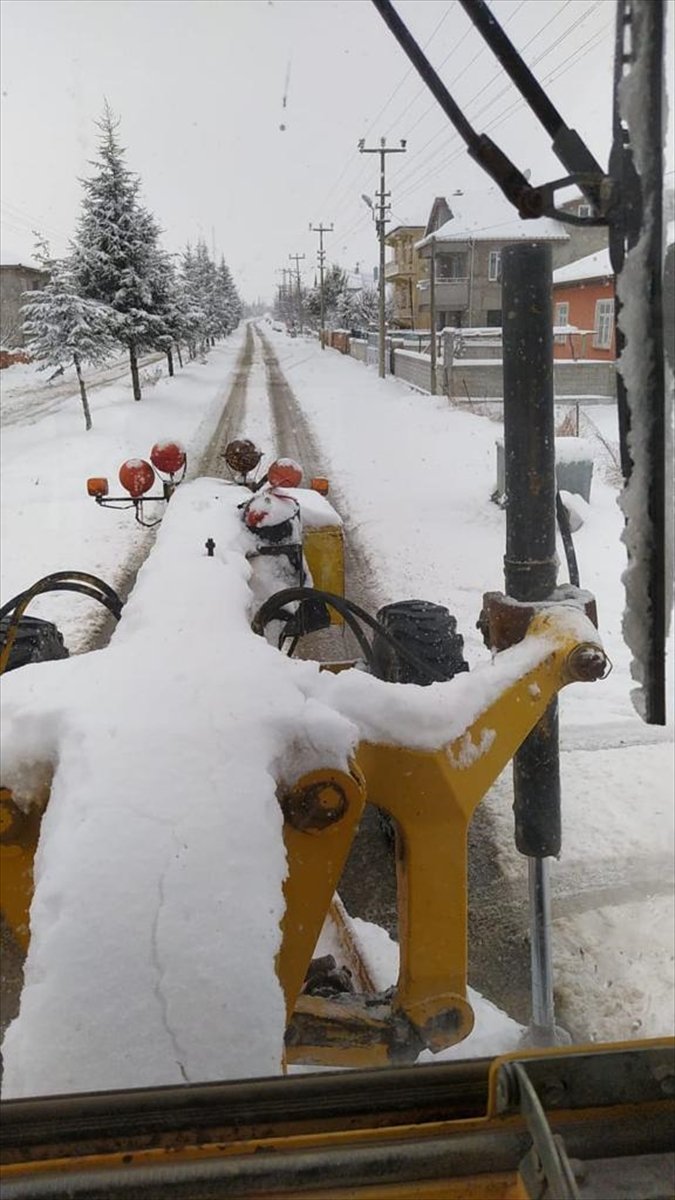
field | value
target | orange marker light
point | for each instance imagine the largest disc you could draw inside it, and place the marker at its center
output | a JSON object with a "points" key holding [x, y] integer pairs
{"points": [[97, 487], [284, 473], [319, 485]]}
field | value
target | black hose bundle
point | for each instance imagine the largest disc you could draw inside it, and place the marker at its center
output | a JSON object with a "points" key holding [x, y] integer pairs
{"points": [[354, 616]]}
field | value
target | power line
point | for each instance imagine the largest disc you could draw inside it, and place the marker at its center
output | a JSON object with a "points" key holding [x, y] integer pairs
{"points": [[410, 72], [555, 74], [506, 88], [496, 75], [331, 195]]}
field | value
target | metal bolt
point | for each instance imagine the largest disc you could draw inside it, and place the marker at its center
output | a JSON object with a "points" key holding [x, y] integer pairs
{"points": [[588, 663], [553, 1093], [315, 807], [665, 1075]]}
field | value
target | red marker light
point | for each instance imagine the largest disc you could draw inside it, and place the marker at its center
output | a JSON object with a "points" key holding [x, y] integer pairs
{"points": [[136, 476], [168, 457]]}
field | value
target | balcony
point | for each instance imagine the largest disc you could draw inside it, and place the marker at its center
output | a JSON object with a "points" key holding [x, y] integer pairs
{"points": [[452, 294], [397, 270]]}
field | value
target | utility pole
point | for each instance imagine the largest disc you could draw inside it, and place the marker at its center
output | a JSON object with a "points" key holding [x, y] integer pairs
{"points": [[284, 291], [298, 258], [321, 229], [432, 313], [383, 150]]}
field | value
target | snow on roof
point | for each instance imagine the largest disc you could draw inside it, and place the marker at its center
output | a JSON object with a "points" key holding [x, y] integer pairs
{"points": [[487, 216], [404, 223], [593, 266], [19, 260], [356, 280]]}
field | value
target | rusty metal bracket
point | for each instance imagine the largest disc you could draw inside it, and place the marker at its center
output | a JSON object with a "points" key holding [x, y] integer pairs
{"points": [[504, 621]]}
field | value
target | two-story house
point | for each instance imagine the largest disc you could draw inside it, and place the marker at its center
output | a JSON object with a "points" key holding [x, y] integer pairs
{"points": [[583, 301], [466, 235], [403, 273], [16, 278]]}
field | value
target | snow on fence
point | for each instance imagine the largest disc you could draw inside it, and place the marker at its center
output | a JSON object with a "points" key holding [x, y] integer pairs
{"points": [[466, 378], [469, 367], [414, 368]]}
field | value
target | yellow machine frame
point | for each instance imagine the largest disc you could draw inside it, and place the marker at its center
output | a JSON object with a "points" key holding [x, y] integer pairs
{"points": [[431, 796]]}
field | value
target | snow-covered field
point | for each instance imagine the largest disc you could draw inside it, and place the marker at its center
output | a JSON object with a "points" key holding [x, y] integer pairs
{"points": [[47, 522], [414, 477]]}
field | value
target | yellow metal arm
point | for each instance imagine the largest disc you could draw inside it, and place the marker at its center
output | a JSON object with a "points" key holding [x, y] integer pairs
{"points": [[432, 796]]}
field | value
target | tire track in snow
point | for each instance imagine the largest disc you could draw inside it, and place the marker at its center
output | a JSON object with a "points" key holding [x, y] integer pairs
{"points": [[371, 856], [233, 415]]}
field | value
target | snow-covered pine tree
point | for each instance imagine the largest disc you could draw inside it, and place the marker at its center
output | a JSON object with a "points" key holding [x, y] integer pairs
{"points": [[334, 285], [167, 307], [194, 316], [346, 309], [207, 283], [61, 327], [229, 304], [366, 307], [115, 248]]}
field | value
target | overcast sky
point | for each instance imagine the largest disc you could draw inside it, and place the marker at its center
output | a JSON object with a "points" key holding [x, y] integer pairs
{"points": [[199, 86]]}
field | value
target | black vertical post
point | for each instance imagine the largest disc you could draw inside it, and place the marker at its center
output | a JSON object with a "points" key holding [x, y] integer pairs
{"points": [[531, 564], [530, 570]]}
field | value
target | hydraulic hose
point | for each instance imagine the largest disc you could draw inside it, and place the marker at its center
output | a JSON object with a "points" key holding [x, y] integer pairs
{"points": [[349, 610], [59, 581]]}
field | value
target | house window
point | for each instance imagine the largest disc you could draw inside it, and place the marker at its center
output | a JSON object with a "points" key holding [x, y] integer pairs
{"points": [[562, 317], [604, 324], [495, 265], [452, 266], [493, 318], [584, 210]]}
